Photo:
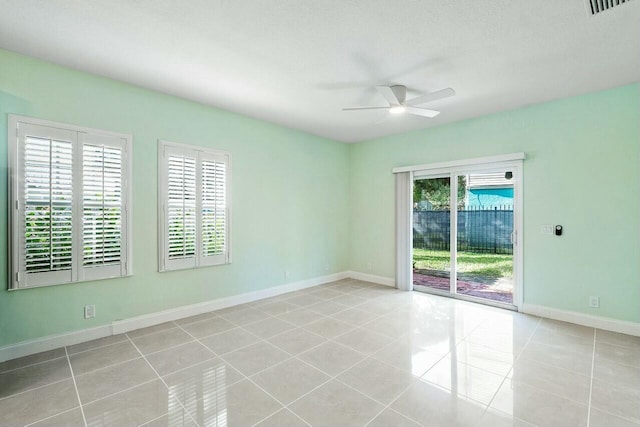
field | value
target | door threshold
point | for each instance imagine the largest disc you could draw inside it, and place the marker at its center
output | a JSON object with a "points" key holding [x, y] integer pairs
{"points": [[478, 300]]}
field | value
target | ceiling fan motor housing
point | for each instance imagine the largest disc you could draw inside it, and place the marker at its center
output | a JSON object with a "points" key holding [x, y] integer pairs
{"points": [[400, 93]]}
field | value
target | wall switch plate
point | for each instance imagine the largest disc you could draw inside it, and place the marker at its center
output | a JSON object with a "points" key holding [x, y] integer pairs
{"points": [[547, 229], [594, 302], [89, 311]]}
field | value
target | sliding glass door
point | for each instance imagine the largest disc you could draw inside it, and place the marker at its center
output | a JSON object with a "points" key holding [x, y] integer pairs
{"points": [[464, 233], [432, 233], [484, 246]]}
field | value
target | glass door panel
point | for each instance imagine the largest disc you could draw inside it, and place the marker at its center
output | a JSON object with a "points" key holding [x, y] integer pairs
{"points": [[484, 245], [432, 233]]}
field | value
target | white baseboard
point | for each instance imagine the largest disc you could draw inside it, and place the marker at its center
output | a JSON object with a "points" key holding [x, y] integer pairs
{"points": [[26, 348], [138, 322], [624, 327], [381, 280], [38, 345], [50, 342]]}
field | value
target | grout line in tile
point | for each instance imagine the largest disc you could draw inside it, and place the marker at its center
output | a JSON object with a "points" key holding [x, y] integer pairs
{"points": [[211, 313], [549, 364], [260, 339], [635, 367], [236, 326], [161, 379], [282, 409], [40, 386], [220, 355], [621, 348], [75, 386], [526, 344], [164, 349], [370, 397], [633, 421], [155, 419], [562, 328], [418, 378], [384, 406], [542, 389], [246, 377], [176, 325], [107, 367], [254, 322], [33, 364], [466, 364], [52, 416], [486, 406], [190, 366], [546, 391], [287, 359], [392, 410], [297, 416], [331, 377], [228, 330], [35, 388], [617, 345], [322, 316], [506, 377], [119, 391], [388, 406], [66, 348], [560, 368], [593, 362], [152, 333]]}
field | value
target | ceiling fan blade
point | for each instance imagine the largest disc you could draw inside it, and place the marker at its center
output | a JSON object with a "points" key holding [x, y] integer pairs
{"points": [[433, 96], [388, 94], [422, 111], [365, 108]]}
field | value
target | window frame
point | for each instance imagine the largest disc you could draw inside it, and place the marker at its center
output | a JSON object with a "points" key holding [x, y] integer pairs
{"points": [[78, 272], [201, 154]]}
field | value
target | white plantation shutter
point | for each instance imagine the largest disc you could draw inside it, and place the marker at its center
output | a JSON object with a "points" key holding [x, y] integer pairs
{"points": [[68, 190], [46, 208], [194, 223], [103, 252], [181, 211], [214, 209]]}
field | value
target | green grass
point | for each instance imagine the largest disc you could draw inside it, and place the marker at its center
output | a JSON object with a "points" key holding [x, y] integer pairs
{"points": [[469, 263]]}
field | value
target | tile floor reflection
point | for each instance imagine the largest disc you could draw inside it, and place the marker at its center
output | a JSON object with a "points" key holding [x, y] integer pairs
{"points": [[347, 353]]}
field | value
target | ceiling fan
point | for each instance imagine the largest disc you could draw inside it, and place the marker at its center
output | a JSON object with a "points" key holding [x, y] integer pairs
{"points": [[396, 96]]}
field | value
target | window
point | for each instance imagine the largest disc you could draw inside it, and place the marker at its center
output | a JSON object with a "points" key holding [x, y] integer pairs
{"points": [[70, 199], [193, 206]]}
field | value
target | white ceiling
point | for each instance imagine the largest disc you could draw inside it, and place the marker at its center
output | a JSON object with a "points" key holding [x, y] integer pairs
{"points": [[298, 62]]}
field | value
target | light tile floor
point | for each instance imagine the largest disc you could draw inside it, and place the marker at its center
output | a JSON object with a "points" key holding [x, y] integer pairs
{"points": [[348, 353]]}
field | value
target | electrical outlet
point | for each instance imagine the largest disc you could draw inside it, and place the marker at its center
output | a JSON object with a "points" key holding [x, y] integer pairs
{"points": [[89, 311], [287, 275], [547, 229], [594, 302]]}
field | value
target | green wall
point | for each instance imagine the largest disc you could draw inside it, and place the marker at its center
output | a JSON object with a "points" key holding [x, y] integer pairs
{"points": [[582, 171], [302, 202], [289, 198]]}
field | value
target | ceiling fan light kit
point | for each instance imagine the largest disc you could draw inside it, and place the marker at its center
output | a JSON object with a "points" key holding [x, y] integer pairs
{"points": [[396, 96]]}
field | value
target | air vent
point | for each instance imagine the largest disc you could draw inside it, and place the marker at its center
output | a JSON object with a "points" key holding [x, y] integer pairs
{"points": [[598, 6]]}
